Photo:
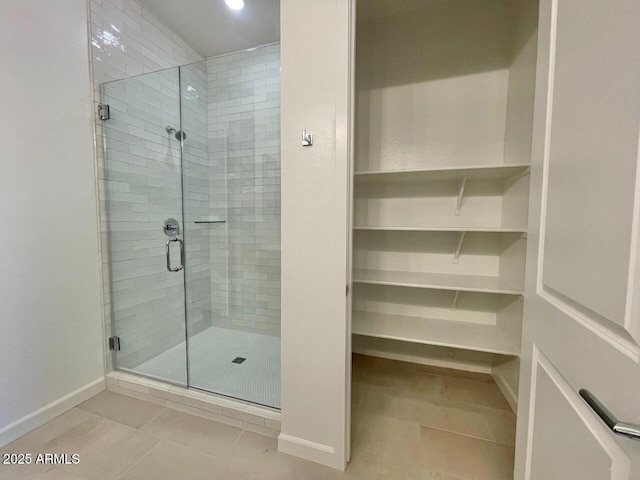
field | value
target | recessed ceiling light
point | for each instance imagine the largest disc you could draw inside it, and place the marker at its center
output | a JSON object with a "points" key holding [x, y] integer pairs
{"points": [[235, 4]]}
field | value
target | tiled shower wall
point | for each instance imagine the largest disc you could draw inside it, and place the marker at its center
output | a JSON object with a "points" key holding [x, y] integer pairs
{"points": [[140, 298], [244, 150], [127, 40]]}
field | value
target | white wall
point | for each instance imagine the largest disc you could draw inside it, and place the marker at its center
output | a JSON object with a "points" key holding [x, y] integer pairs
{"points": [[51, 354], [315, 197], [523, 23], [418, 77]]}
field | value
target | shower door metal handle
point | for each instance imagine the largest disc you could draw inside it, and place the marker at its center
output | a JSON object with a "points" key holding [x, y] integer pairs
{"points": [[181, 266]]}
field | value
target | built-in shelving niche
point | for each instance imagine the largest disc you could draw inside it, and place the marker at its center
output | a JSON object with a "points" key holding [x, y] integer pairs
{"points": [[439, 258], [464, 260], [442, 144], [494, 197], [469, 320]]}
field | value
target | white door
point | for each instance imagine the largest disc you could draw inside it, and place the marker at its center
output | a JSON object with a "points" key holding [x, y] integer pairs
{"points": [[582, 308]]}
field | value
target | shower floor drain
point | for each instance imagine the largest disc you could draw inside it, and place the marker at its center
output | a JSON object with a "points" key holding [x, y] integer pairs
{"points": [[238, 360]]}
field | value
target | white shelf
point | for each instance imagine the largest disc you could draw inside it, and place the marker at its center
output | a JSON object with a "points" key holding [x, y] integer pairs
{"points": [[437, 281], [483, 172], [441, 229], [446, 333]]}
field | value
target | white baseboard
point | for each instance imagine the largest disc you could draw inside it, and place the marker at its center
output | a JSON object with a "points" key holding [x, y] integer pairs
{"points": [[507, 391], [33, 420], [312, 451]]}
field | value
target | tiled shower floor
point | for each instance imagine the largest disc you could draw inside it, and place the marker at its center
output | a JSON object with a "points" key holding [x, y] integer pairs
{"points": [[211, 353]]}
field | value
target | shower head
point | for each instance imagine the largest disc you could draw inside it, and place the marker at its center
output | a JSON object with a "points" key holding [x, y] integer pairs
{"points": [[179, 134]]}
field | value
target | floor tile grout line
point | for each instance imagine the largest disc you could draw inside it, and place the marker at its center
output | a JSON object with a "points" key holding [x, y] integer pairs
{"points": [[138, 461], [442, 400], [195, 450], [169, 407], [110, 420], [491, 431], [443, 377], [163, 439], [493, 434], [238, 438], [466, 435], [490, 440], [443, 397], [164, 409]]}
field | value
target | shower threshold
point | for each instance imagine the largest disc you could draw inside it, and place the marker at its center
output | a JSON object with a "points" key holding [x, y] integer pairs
{"points": [[258, 419]]}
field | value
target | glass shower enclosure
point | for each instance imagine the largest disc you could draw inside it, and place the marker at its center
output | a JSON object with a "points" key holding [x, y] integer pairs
{"points": [[190, 200]]}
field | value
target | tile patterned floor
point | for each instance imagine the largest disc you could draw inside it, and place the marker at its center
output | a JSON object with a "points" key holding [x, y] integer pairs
{"points": [[409, 422], [416, 422]]}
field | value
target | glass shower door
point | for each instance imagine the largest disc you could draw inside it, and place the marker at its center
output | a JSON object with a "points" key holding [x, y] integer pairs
{"points": [[141, 195], [192, 154], [231, 194]]}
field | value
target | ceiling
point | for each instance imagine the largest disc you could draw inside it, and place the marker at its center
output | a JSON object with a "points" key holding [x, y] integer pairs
{"points": [[212, 28]]}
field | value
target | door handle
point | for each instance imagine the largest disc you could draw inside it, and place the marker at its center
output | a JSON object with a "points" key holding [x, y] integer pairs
{"points": [[181, 266], [623, 428]]}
